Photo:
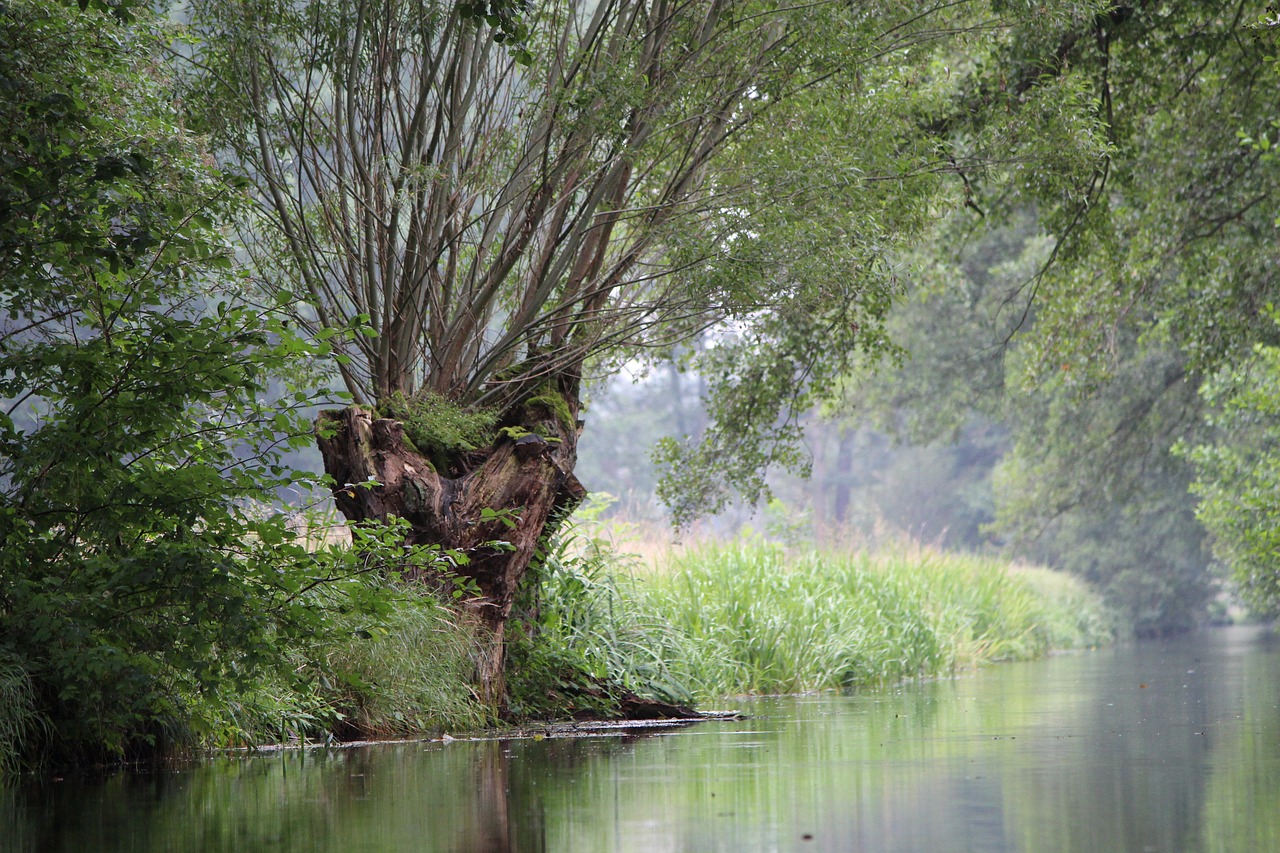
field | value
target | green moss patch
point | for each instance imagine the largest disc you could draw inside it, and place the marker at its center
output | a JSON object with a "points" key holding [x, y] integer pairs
{"points": [[555, 405], [438, 428]]}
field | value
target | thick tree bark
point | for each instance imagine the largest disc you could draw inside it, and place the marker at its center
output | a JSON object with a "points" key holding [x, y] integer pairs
{"points": [[527, 472]]}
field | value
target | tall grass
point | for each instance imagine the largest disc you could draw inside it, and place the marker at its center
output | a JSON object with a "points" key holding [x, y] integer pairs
{"points": [[784, 622], [409, 675], [591, 634], [754, 618], [404, 672], [381, 658], [18, 718]]}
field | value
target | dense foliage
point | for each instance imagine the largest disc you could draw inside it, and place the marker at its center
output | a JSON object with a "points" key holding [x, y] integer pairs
{"points": [[142, 584], [1238, 468], [1156, 285]]}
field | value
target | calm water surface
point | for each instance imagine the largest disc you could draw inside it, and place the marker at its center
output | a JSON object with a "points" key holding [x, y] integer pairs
{"points": [[1149, 747]]}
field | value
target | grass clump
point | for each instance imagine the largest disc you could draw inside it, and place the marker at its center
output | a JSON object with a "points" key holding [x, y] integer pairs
{"points": [[389, 658], [408, 675], [590, 638], [756, 618], [404, 670], [18, 717]]}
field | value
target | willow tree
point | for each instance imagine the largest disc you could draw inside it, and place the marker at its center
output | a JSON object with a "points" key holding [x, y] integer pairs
{"points": [[478, 213]]}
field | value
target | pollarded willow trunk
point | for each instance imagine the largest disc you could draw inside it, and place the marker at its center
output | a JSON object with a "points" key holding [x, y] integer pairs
{"points": [[526, 475]]}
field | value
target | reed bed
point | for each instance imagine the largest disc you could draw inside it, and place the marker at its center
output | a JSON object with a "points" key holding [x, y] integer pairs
{"points": [[754, 618]]}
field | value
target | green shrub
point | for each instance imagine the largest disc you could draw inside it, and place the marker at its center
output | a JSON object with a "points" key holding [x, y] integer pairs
{"points": [[138, 584]]}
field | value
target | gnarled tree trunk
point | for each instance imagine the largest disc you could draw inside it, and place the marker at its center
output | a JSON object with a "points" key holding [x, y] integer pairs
{"points": [[527, 471]]}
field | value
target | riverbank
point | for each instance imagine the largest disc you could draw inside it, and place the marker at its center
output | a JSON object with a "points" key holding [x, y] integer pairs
{"points": [[689, 629], [756, 618], [695, 627]]}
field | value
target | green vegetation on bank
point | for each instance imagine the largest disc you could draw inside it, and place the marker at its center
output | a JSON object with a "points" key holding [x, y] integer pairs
{"points": [[755, 618], [715, 622], [773, 622]]}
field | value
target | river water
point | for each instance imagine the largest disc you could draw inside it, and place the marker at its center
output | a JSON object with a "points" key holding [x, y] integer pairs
{"points": [[1169, 746]]}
